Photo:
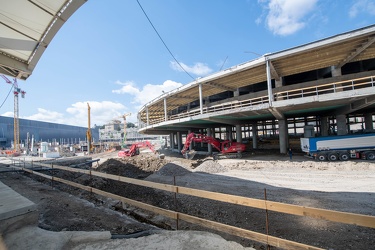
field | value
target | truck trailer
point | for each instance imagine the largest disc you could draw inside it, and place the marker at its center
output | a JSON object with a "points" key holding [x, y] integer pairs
{"points": [[341, 147]]}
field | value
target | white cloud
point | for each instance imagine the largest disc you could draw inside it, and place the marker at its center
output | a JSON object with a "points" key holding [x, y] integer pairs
{"points": [[198, 69], [128, 88], [286, 17], [46, 116], [8, 114], [100, 112], [77, 115], [365, 6], [147, 93]]}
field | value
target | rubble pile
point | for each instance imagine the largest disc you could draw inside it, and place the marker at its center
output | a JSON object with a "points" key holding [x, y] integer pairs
{"points": [[139, 166]]}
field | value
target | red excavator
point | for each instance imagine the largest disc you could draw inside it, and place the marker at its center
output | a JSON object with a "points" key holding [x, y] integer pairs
{"points": [[227, 148], [134, 149]]}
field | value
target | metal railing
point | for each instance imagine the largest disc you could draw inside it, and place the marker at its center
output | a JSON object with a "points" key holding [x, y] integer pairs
{"points": [[317, 90]]}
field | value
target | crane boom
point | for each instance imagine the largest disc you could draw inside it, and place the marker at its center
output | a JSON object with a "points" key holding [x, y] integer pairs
{"points": [[88, 133]]}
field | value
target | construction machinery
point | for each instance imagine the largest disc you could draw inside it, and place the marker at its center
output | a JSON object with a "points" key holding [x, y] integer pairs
{"points": [[90, 147], [16, 92], [226, 148], [134, 149]]}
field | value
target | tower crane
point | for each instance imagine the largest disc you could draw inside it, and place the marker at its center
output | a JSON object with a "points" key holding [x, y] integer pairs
{"points": [[16, 92]]}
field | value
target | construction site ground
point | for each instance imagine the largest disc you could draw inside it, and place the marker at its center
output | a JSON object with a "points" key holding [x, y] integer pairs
{"points": [[341, 186]]}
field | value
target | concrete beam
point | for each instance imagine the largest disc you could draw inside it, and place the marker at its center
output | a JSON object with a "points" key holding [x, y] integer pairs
{"points": [[356, 105], [216, 85], [220, 120], [357, 51], [182, 97], [277, 114], [274, 72]]}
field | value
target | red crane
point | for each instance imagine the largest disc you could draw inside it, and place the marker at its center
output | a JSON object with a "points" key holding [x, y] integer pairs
{"points": [[16, 91]]}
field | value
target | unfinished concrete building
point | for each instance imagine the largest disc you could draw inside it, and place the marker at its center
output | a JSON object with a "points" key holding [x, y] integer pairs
{"points": [[327, 85]]}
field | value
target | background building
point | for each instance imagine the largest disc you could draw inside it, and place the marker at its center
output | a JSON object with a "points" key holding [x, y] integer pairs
{"points": [[43, 131]]}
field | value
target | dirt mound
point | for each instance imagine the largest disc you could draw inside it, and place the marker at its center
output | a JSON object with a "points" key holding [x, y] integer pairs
{"points": [[139, 166], [210, 166], [173, 169]]}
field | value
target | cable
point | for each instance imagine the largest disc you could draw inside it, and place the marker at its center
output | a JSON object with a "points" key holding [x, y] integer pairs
{"points": [[6, 97], [163, 41], [223, 63]]}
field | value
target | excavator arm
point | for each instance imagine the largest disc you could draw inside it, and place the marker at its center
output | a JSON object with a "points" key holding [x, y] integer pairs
{"points": [[192, 137], [227, 148]]}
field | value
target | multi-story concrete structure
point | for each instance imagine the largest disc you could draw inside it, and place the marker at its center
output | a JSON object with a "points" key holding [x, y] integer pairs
{"points": [[112, 132], [327, 84]]}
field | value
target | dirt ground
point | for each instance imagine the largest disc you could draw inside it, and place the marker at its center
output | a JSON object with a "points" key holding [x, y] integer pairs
{"points": [[342, 186]]}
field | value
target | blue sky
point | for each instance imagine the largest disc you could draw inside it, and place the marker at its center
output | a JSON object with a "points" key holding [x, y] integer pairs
{"points": [[108, 54]]}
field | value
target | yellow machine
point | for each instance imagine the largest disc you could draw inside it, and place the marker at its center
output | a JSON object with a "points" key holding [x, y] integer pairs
{"points": [[90, 147]]}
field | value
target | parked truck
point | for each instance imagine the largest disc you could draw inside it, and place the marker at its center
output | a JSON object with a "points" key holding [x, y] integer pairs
{"points": [[342, 147]]}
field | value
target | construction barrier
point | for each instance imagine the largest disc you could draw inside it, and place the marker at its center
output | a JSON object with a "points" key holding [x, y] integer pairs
{"points": [[317, 213]]}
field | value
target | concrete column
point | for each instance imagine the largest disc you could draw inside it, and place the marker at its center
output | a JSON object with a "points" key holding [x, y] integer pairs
{"points": [[165, 110], [236, 93], [229, 133], [147, 118], [179, 141], [335, 71], [269, 83], [254, 129], [171, 138], [200, 98], [209, 133], [324, 126], [342, 129], [238, 133], [278, 84], [369, 124], [283, 136]]}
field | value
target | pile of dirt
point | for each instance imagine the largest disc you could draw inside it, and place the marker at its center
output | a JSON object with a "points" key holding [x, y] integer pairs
{"points": [[174, 169], [210, 166], [139, 166]]}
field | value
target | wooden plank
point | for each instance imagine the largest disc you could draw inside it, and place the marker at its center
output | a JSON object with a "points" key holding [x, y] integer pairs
{"points": [[37, 173], [271, 240], [263, 238], [317, 213], [76, 170]]}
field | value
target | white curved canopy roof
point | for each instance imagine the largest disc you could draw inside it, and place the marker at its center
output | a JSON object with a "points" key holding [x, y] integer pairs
{"points": [[26, 29]]}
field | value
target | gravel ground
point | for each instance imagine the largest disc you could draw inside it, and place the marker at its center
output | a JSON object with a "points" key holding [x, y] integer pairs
{"points": [[342, 186]]}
